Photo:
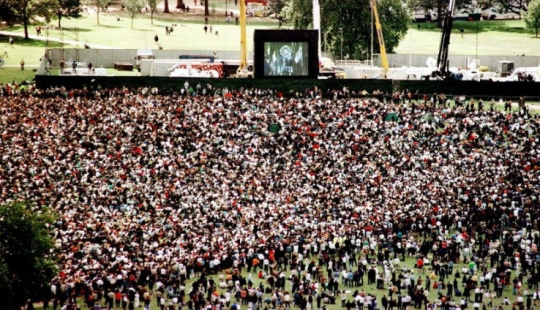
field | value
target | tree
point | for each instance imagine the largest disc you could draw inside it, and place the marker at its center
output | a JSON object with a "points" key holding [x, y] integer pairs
{"points": [[346, 24], [166, 6], [206, 10], [99, 5], [153, 9], [438, 6], [532, 16], [276, 6], [299, 13], [396, 22], [179, 4], [26, 263], [134, 7], [6, 12], [26, 11], [68, 9], [513, 6]]}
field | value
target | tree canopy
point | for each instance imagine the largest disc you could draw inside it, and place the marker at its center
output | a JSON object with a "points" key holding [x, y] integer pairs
{"points": [[26, 11], [350, 21], [68, 9], [134, 7], [513, 6], [26, 254], [532, 16], [99, 5], [153, 9]]}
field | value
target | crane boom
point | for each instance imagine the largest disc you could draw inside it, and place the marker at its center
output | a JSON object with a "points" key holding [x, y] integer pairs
{"points": [[243, 43], [244, 70], [378, 28], [442, 58]]}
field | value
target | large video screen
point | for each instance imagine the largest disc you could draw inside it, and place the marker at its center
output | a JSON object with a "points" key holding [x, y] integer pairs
{"points": [[287, 54], [286, 59]]}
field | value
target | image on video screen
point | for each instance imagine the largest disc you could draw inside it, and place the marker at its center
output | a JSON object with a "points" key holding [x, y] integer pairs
{"points": [[286, 59]]}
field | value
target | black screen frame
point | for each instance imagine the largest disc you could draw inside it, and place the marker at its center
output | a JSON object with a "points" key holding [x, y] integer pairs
{"points": [[276, 36]]}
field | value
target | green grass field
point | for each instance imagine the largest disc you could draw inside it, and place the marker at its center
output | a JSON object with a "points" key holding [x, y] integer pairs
{"points": [[507, 38]]}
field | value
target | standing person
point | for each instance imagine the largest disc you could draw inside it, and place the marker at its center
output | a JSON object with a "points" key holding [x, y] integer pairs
{"points": [[22, 64], [384, 302], [117, 299], [5, 52], [156, 38], [74, 66], [11, 41], [147, 299]]}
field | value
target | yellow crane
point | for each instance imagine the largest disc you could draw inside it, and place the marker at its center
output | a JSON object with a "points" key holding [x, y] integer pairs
{"points": [[378, 28], [243, 70]]}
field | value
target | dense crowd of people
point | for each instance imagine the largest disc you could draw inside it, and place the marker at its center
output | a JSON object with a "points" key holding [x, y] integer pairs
{"points": [[311, 191]]}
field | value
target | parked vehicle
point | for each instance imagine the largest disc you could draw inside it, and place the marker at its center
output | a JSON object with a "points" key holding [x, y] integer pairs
{"points": [[255, 9], [492, 13]]}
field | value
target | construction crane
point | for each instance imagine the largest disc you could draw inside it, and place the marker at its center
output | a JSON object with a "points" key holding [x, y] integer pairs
{"points": [[442, 59], [378, 28], [244, 69]]}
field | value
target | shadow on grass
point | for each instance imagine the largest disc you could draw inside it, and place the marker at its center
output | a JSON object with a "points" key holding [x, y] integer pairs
{"points": [[511, 26], [32, 43], [177, 22], [73, 29], [144, 29], [110, 26]]}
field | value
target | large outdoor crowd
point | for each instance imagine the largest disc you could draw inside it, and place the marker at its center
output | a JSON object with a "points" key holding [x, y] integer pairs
{"points": [[313, 192]]}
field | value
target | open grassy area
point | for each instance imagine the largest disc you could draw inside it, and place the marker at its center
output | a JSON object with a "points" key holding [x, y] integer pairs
{"points": [[9, 74], [492, 38], [30, 51]]}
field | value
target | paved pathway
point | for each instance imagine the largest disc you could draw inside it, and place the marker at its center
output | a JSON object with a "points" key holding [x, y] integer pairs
{"points": [[53, 39]]}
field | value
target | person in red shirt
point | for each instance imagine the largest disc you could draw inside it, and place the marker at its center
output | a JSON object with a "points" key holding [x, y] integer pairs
{"points": [[420, 264], [117, 299]]}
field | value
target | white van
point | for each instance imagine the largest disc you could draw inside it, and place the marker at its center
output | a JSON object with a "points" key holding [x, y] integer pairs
{"points": [[255, 9]]}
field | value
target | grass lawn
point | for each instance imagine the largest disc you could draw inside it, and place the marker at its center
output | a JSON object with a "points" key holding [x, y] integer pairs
{"points": [[29, 50], [188, 33], [494, 38], [8, 74]]}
